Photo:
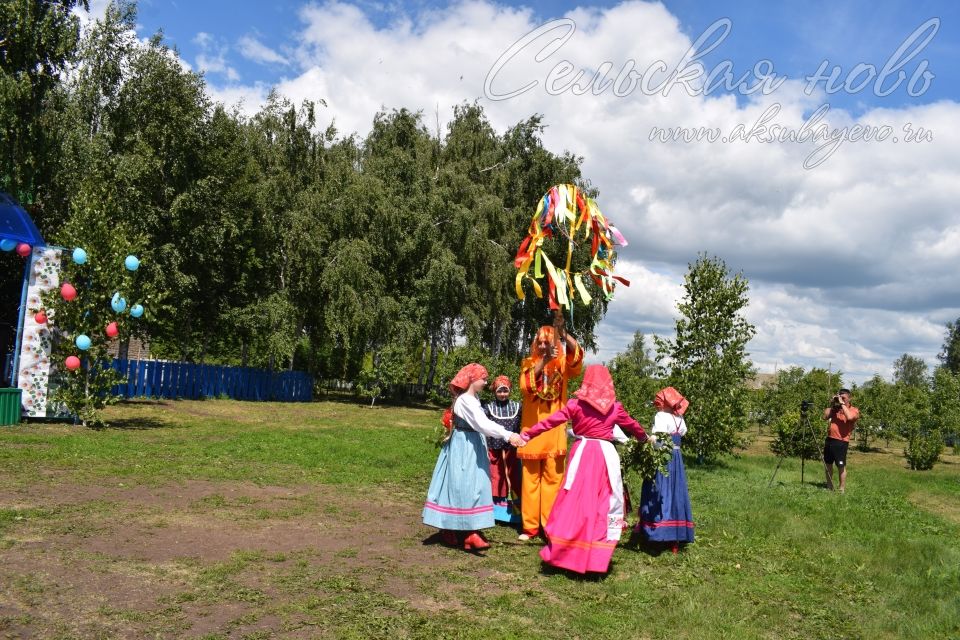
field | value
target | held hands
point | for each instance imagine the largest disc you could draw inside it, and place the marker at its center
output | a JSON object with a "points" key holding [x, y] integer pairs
{"points": [[516, 440]]}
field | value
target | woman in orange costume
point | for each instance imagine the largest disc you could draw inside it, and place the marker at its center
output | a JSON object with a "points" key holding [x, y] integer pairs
{"points": [[555, 358]]}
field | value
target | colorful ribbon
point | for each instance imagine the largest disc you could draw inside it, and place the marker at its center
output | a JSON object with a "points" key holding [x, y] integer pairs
{"points": [[562, 212]]}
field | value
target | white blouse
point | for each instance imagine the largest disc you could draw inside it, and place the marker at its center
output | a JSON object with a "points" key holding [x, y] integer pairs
{"points": [[665, 422], [468, 407]]}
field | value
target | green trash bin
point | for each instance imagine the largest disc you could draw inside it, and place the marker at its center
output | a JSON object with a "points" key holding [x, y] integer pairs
{"points": [[9, 406]]}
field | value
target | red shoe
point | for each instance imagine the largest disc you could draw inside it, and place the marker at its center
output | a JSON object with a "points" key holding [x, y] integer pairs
{"points": [[449, 537], [474, 542]]}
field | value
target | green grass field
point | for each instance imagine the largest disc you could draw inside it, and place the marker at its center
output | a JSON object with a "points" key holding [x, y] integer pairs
{"points": [[223, 519]]}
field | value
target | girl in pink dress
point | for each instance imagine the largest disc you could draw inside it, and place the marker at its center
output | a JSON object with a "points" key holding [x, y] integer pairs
{"points": [[587, 518]]}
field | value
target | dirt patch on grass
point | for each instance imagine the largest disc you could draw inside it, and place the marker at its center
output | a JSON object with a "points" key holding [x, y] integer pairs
{"points": [[203, 558], [946, 507]]}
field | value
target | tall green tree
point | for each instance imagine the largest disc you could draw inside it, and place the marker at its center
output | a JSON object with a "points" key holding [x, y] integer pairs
{"points": [[708, 360], [292, 230], [950, 352], [945, 403], [38, 41]]}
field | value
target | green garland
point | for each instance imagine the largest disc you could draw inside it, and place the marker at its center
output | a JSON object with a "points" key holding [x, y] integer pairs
{"points": [[645, 459]]}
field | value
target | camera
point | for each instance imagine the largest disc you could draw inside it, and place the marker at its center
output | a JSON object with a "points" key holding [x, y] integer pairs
{"points": [[836, 402], [805, 405]]}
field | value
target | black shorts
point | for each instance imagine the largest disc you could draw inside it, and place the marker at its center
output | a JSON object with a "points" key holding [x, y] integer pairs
{"points": [[835, 452]]}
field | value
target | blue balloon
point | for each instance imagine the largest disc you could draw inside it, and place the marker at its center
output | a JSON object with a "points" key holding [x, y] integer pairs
{"points": [[131, 263], [117, 303], [79, 256], [7, 244], [136, 311], [82, 342]]}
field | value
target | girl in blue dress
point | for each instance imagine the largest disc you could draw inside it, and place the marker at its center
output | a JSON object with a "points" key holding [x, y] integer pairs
{"points": [[665, 513], [460, 500]]}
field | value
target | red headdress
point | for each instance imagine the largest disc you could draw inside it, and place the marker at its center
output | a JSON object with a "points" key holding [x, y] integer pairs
{"points": [[467, 376], [597, 388], [500, 382], [670, 400]]}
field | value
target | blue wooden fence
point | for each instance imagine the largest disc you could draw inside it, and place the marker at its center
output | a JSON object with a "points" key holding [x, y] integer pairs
{"points": [[160, 379]]}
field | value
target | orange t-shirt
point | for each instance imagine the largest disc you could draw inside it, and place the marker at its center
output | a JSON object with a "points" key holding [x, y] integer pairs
{"points": [[840, 426]]}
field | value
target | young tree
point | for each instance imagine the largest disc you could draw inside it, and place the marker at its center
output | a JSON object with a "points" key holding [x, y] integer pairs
{"points": [[945, 406], [634, 376], [945, 402], [383, 370], [707, 359], [87, 390], [793, 409], [910, 370], [877, 403]]}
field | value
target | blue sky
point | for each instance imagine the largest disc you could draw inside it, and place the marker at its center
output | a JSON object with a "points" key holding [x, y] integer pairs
{"points": [[795, 36], [852, 258]]}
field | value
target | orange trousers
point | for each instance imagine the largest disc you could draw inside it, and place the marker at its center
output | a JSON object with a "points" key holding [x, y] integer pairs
{"points": [[538, 490]]}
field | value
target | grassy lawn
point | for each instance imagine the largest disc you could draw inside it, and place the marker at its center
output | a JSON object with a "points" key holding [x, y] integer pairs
{"points": [[223, 519]]}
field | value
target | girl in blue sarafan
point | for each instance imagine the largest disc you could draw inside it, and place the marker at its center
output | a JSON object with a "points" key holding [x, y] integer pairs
{"points": [[665, 513], [459, 500]]}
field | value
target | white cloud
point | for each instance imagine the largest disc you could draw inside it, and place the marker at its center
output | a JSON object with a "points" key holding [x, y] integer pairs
{"points": [[247, 99], [252, 49], [213, 57], [851, 263]]}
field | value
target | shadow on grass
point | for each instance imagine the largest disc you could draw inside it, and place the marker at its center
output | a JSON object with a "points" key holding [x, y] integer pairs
{"points": [[870, 449], [134, 424], [638, 542], [437, 539], [592, 576], [385, 403]]}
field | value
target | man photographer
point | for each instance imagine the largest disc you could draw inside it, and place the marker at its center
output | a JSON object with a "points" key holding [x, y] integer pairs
{"points": [[843, 418]]}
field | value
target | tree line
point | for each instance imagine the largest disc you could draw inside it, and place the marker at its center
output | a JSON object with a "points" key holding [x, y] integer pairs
{"points": [[273, 240]]}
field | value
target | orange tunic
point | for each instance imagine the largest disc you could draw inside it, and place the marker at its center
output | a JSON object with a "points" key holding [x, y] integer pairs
{"points": [[539, 401]]}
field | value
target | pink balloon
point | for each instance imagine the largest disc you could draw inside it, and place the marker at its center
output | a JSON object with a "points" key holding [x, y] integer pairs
{"points": [[24, 249], [68, 292], [112, 330], [72, 362], [40, 317]]}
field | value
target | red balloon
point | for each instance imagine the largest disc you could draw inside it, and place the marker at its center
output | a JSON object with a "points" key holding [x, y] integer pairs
{"points": [[40, 317], [24, 249], [72, 362], [68, 292], [112, 330]]}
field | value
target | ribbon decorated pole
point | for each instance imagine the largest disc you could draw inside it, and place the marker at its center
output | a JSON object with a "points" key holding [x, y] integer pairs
{"points": [[564, 211]]}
